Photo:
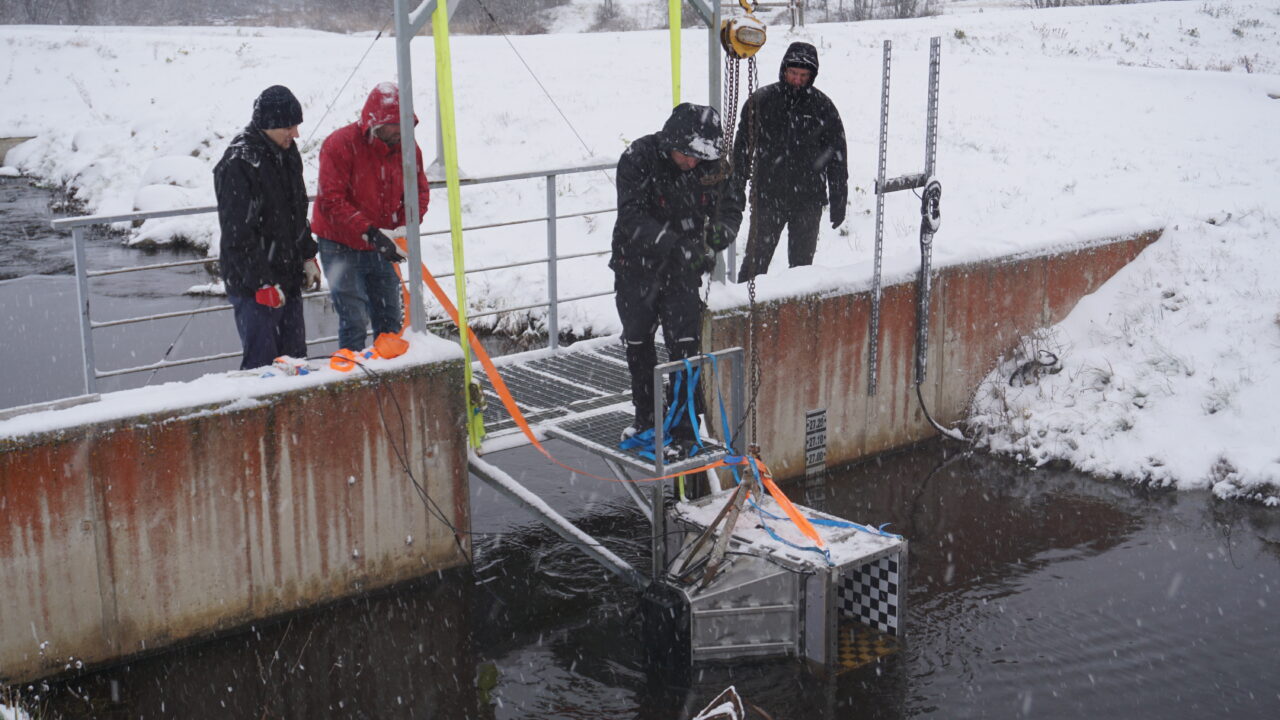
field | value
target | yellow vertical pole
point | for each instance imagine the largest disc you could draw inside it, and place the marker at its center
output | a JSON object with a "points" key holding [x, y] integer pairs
{"points": [[449, 134], [673, 15]]}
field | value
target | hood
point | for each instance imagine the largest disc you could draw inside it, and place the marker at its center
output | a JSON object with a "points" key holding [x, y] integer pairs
{"points": [[693, 130], [802, 55], [382, 107]]}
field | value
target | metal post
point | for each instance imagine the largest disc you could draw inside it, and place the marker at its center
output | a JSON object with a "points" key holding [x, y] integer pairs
{"points": [[873, 340], [715, 91], [409, 162], [931, 125], [715, 83], [736, 397], [86, 328], [658, 503], [560, 525], [438, 163], [553, 309]]}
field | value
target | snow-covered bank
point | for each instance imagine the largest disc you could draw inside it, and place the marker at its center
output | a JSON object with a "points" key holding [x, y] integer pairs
{"points": [[1169, 373], [1055, 124]]}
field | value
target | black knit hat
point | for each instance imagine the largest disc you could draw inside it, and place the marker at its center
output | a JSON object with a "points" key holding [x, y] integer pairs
{"points": [[275, 108]]}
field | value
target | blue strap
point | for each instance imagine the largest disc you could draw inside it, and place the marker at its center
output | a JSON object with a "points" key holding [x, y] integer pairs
{"points": [[669, 421], [643, 442], [733, 459], [689, 403], [724, 416]]}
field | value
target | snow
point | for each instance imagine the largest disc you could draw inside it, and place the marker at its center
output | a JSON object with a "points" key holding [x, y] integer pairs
{"points": [[1057, 127], [220, 392], [844, 545], [1169, 373], [180, 170]]}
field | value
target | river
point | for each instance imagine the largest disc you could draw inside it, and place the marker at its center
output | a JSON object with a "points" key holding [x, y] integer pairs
{"points": [[1032, 594]]}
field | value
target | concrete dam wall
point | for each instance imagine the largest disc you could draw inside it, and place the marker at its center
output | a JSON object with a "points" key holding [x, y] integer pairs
{"points": [[814, 350], [124, 536]]}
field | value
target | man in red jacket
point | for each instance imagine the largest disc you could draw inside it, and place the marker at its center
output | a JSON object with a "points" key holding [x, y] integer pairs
{"points": [[362, 193]]}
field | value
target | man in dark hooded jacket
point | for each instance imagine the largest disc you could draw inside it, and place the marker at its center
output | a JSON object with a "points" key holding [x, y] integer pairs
{"points": [[266, 253], [361, 194], [799, 162], [672, 219]]}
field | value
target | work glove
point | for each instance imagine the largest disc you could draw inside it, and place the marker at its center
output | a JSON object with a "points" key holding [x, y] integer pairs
{"points": [[721, 236], [837, 214], [311, 274], [270, 295], [384, 246]]}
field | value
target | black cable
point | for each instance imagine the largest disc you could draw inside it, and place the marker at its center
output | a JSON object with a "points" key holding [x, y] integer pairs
{"points": [[338, 94], [541, 87], [176, 338], [946, 432]]}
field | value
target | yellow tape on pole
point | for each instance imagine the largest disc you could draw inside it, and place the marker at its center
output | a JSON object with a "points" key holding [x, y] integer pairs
{"points": [[449, 134], [674, 19]]}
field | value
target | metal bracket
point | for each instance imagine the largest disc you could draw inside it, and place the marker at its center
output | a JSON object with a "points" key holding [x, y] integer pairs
{"points": [[904, 182]]}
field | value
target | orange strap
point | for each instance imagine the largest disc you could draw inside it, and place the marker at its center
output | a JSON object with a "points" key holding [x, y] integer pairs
{"points": [[787, 507]]}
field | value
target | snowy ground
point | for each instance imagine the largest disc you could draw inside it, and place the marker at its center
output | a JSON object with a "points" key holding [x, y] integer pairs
{"points": [[1056, 125]]}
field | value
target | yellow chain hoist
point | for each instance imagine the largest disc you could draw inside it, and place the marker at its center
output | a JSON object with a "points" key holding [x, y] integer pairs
{"points": [[742, 36]]}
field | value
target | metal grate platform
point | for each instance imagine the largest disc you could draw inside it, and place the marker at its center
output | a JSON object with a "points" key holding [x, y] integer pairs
{"points": [[580, 394], [600, 432], [553, 384]]}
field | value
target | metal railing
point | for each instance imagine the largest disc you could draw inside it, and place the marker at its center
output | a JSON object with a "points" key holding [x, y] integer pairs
{"points": [[78, 225]]}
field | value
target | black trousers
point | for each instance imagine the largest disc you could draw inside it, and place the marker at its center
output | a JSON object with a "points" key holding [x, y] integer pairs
{"points": [[645, 301], [766, 227], [267, 333]]}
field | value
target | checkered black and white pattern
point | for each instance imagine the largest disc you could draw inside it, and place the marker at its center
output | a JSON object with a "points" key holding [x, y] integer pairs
{"points": [[869, 594]]}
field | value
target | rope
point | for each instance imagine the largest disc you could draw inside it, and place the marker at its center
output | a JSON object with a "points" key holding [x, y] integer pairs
{"points": [[315, 128], [538, 82]]}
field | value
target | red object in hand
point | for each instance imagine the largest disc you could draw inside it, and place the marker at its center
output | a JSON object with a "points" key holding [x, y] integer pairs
{"points": [[270, 296]]}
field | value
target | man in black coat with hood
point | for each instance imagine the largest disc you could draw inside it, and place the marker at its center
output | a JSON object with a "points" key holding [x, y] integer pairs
{"points": [[267, 254], [800, 160], [673, 217]]}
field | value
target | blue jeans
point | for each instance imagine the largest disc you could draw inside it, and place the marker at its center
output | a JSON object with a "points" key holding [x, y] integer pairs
{"points": [[364, 288], [267, 333]]}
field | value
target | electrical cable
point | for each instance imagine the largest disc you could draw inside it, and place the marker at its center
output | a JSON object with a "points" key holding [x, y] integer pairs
{"points": [[316, 128], [176, 338], [541, 87]]}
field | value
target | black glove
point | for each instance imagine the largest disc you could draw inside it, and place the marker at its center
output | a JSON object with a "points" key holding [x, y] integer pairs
{"points": [[383, 245], [721, 236], [837, 214], [708, 260], [698, 258]]}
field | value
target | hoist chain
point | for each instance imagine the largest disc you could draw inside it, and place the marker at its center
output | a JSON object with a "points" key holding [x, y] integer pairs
{"points": [[730, 104], [753, 133], [732, 77]]}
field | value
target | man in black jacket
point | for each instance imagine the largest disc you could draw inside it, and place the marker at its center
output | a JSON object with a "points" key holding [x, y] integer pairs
{"points": [[672, 220], [799, 156], [267, 253]]}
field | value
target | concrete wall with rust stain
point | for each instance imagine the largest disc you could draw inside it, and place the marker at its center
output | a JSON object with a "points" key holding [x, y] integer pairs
{"points": [[123, 537], [814, 351]]}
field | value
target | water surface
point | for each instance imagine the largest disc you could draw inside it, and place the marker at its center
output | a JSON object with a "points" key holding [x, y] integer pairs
{"points": [[1032, 593]]}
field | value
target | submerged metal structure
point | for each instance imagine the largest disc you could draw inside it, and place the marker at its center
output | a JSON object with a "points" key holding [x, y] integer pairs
{"points": [[731, 576]]}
